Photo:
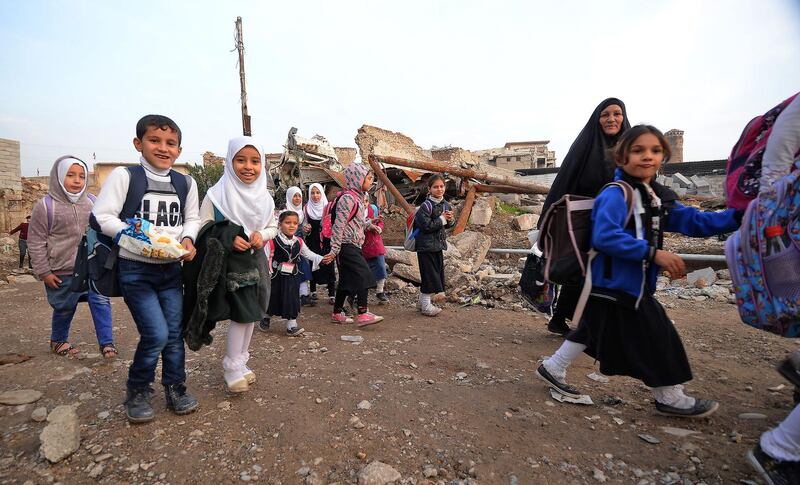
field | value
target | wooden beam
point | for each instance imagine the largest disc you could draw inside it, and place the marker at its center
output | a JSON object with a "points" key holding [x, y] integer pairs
{"points": [[466, 210], [399, 199]]}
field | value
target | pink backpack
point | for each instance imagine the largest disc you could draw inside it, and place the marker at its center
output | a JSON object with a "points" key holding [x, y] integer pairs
{"points": [[329, 213], [744, 163]]}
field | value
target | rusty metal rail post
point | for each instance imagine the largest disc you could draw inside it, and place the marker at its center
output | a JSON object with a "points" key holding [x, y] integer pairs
{"points": [[399, 199], [466, 210]]}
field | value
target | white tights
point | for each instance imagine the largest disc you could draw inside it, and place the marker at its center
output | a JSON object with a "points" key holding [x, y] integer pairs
{"points": [[557, 365], [234, 364], [783, 441]]}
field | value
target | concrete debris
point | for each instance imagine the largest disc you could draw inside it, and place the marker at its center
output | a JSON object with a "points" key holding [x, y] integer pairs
{"points": [[481, 214], [702, 277], [694, 185], [22, 396], [525, 222], [377, 473], [61, 437]]}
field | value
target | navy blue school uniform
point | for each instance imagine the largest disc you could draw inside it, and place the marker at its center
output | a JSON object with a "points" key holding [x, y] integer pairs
{"points": [[287, 274], [623, 326]]}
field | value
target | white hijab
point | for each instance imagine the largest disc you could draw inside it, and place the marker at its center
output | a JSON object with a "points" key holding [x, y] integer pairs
{"points": [[248, 205], [63, 168], [296, 208], [315, 209]]}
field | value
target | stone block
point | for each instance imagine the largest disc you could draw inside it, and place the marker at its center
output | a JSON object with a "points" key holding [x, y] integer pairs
{"points": [[681, 180], [62, 437], [473, 247], [525, 222], [481, 214], [702, 277], [407, 272]]}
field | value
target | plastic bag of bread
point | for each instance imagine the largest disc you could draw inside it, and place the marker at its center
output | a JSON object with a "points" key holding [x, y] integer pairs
{"points": [[143, 238]]}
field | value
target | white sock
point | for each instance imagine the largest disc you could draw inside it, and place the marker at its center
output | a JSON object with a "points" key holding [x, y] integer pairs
{"points": [[783, 442], [557, 364], [673, 396], [231, 363], [305, 288], [248, 335], [424, 300], [379, 289], [291, 323]]}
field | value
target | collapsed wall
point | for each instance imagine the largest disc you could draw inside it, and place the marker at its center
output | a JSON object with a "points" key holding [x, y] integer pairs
{"points": [[372, 140]]}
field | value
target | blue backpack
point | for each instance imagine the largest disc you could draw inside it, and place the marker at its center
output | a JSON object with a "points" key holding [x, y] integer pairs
{"points": [[768, 286]]}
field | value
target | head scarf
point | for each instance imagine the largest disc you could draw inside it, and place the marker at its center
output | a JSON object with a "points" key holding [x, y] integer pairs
{"points": [[290, 193], [315, 209], [585, 168], [248, 205], [58, 173], [354, 176]]}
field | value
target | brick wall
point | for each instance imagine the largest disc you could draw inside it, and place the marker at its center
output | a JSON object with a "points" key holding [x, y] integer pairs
{"points": [[10, 175]]}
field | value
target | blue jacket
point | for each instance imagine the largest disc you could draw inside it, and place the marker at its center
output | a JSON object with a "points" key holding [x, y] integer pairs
{"points": [[624, 263]]}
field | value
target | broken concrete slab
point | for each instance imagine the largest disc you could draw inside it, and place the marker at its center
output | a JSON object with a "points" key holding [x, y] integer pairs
{"points": [[378, 473], [407, 272], [525, 222], [62, 436], [481, 214], [702, 277], [372, 140], [681, 180], [473, 247]]}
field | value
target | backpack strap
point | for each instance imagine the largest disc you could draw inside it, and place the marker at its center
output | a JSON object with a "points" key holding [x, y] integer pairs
{"points": [[137, 187], [91, 197], [627, 191], [181, 185]]}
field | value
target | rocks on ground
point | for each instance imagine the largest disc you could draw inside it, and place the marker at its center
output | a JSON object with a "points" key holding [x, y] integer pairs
{"points": [[61, 437]]}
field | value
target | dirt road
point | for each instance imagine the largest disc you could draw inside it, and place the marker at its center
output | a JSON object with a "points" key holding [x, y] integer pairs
{"points": [[456, 393]]}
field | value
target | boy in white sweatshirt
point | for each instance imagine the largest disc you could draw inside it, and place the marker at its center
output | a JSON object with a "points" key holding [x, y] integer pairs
{"points": [[153, 289]]}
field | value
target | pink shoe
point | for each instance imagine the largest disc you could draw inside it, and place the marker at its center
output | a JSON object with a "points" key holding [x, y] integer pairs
{"points": [[364, 319], [340, 318]]}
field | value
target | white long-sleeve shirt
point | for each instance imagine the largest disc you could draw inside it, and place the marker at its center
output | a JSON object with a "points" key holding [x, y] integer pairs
{"points": [[783, 144], [207, 215], [160, 205]]}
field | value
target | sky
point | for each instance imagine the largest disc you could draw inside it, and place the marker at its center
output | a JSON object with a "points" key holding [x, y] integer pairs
{"points": [[76, 76]]}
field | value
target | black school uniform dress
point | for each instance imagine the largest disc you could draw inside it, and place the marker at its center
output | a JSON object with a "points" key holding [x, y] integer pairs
{"points": [[325, 275], [633, 340], [284, 300]]}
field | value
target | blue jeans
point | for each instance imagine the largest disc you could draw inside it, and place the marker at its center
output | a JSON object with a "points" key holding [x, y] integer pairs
{"points": [[154, 295], [65, 302]]}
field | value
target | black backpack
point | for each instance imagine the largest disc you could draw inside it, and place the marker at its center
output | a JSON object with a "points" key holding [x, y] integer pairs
{"points": [[96, 260]]}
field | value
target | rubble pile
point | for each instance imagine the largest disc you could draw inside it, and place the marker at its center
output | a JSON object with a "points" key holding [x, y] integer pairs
{"points": [[694, 185], [372, 140]]}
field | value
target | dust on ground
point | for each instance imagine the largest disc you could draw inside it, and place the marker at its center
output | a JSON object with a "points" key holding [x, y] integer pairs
{"points": [[457, 392]]}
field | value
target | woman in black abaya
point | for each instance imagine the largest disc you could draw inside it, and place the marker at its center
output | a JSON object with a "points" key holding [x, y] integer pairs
{"points": [[584, 171]]}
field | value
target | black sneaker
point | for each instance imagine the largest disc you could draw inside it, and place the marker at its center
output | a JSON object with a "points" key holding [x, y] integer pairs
{"points": [[382, 298], [701, 409], [295, 331], [305, 300], [558, 325], [314, 297], [790, 368], [555, 384], [263, 325], [137, 405], [774, 472], [179, 400]]}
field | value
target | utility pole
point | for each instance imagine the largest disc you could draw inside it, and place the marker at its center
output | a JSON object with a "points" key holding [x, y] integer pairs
{"points": [[240, 47]]}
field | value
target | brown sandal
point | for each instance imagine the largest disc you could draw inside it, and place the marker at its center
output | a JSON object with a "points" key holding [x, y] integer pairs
{"points": [[64, 349], [109, 351]]}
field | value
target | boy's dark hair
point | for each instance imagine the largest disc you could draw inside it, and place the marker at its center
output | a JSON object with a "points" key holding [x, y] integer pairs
{"points": [[286, 214], [434, 178], [158, 121], [623, 147]]}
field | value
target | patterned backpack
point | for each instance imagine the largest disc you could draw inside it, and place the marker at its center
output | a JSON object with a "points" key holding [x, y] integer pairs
{"points": [[768, 286], [744, 163]]}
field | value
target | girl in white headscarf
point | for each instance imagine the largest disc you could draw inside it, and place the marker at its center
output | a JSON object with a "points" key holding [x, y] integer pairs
{"points": [[315, 208], [241, 197], [294, 203]]}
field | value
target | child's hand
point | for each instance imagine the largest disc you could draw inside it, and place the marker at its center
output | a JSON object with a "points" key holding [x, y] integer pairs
{"points": [[52, 281], [328, 258], [239, 244], [670, 262], [256, 241], [189, 246], [448, 215]]}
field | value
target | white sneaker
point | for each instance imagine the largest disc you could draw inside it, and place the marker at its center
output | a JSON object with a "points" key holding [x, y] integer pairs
{"points": [[431, 311]]}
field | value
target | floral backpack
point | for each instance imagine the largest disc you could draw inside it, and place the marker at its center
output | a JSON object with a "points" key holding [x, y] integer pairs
{"points": [[767, 286]]}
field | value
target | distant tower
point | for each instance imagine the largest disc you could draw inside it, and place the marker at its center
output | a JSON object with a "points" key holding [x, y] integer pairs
{"points": [[675, 139]]}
